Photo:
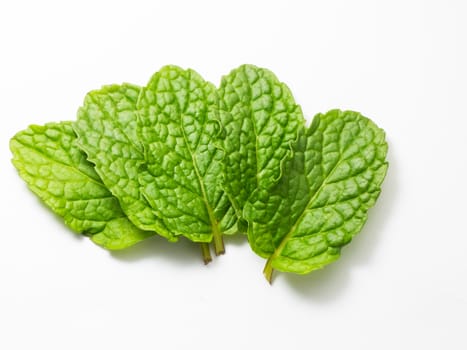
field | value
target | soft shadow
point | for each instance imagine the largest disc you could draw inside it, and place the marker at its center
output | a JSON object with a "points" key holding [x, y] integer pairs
{"points": [[157, 248], [238, 239], [330, 282], [182, 252]]}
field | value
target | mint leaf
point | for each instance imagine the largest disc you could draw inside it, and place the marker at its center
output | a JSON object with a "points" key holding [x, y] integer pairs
{"points": [[182, 158], [120, 233], [106, 129], [58, 173], [179, 123], [322, 199], [261, 119]]}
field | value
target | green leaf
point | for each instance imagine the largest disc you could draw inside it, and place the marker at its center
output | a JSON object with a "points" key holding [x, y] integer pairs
{"points": [[261, 120], [179, 123], [58, 173], [322, 200], [106, 129], [120, 233]]}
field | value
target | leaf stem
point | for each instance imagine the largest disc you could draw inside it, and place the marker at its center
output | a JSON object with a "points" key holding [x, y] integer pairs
{"points": [[268, 270], [206, 253], [218, 239]]}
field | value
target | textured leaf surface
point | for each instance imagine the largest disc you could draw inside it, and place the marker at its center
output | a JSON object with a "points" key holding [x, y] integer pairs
{"points": [[106, 128], [261, 120], [120, 233], [178, 121], [57, 172], [322, 200]]}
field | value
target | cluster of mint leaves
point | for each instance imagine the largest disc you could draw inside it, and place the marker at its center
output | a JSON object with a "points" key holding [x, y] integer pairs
{"points": [[180, 157]]}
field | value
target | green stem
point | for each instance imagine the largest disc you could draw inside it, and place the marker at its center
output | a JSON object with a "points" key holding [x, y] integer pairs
{"points": [[268, 270], [206, 253], [219, 247]]}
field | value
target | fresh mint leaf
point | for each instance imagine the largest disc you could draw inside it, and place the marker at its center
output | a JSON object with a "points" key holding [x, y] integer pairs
{"points": [[179, 122], [120, 233], [106, 128], [182, 158], [322, 199], [53, 167], [261, 120]]}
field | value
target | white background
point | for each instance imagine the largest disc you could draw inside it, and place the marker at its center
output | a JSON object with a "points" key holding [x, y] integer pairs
{"points": [[401, 284]]}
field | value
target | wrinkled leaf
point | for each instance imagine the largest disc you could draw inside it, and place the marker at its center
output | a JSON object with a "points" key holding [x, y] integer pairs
{"points": [[321, 202], [261, 119], [106, 129], [53, 167], [179, 123]]}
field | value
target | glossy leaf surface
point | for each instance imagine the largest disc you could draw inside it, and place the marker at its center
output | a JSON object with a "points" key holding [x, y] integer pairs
{"points": [[106, 129], [54, 168], [260, 120], [321, 202], [179, 123]]}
